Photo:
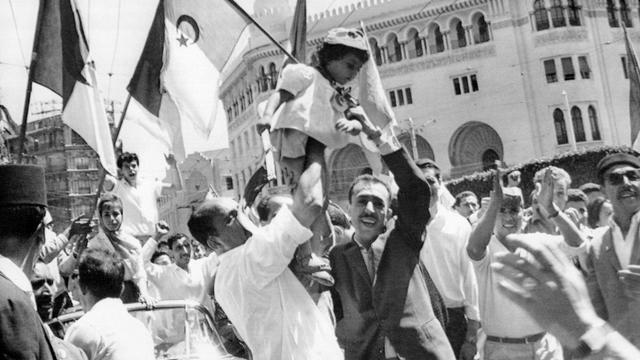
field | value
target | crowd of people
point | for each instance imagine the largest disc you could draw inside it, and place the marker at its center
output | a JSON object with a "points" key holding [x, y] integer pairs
{"points": [[406, 271]]}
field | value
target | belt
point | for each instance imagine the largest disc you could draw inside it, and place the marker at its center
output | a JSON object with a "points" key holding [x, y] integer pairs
{"points": [[523, 340]]}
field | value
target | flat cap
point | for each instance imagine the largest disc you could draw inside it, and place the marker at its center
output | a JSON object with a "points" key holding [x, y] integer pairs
{"points": [[22, 185], [349, 37], [616, 159]]}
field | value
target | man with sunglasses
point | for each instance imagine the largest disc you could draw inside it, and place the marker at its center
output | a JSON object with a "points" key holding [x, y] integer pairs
{"points": [[264, 300], [611, 253]]}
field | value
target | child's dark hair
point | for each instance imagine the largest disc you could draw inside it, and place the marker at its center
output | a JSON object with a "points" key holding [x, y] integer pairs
{"points": [[331, 52]]}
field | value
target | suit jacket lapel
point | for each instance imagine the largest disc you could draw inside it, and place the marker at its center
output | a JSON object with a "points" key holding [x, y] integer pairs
{"points": [[609, 249], [635, 252], [356, 262]]}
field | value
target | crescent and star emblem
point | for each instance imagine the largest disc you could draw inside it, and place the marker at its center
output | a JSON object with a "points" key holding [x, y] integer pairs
{"points": [[186, 25]]}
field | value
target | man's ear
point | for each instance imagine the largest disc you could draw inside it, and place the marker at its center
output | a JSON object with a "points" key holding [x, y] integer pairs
{"points": [[389, 213]]}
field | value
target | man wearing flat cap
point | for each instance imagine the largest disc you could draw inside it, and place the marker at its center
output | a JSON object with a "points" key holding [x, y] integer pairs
{"points": [[22, 208], [613, 251]]}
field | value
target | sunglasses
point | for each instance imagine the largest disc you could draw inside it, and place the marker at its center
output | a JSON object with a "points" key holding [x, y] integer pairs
{"points": [[617, 178], [36, 284]]}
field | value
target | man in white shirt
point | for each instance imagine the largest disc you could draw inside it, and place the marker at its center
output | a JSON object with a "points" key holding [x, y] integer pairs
{"points": [[444, 255], [184, 279], [107, 331], [139, 196], [612, 251], [270, 308], [511, 331]]}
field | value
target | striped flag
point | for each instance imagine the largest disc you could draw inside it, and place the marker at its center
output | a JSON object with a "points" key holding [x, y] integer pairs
{"points": [[64, 66], [178, 75], [634, 91]]}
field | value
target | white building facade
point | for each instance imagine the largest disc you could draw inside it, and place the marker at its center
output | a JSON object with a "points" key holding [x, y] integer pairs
{"points": [[470, 81]]}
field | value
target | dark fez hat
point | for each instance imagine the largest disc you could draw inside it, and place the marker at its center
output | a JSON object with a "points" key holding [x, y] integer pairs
{"points": [[22, 185]]}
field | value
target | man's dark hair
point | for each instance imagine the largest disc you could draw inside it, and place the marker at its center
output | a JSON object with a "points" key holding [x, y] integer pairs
{"points": [[263, 208], [20, 221], [101, 272], [588, 188], [109, 198], [175, 237], [127, 157], [366, 178], [463, 195], [577, 195], [337, 216], [331, 52], [200, 223], [157, 254], [593, 211]]}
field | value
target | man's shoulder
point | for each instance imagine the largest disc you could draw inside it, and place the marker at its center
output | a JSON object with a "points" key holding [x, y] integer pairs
{"points": [[10, 291]]}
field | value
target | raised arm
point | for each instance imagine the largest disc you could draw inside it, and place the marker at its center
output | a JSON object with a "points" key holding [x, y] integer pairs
{"points": [[481, 234], [544, 193]]}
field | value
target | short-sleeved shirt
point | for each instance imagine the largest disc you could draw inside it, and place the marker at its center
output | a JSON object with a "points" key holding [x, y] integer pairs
{"points": [[315, 108], [140, 209], [500, 316]]}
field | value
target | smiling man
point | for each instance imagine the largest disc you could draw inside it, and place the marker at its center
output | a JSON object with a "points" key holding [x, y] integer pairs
{"points": [[511, 332], [618, 247], [382, 302]]}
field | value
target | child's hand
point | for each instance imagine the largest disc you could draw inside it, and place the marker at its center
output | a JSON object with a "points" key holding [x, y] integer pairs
{"points": [[357, 113], [263, 123], [351, 127]]}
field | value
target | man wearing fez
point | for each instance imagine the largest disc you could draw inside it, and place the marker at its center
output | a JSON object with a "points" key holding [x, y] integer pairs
{"points": [[22, 207]]}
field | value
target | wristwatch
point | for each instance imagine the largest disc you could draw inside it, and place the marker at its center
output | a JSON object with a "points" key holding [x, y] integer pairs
{"points": [[594, 340]]}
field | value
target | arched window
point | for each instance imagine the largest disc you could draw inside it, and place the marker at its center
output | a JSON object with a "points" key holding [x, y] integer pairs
{"points": [[375, 49], [612, 14], [273, 76], [625, 14], [262, 80], [480, 30], [578, 125], [541, 15], [414, 44], [557, 14], [573, 11], [458, 39], [436, 39], [394, 49], [593, 121], [560, 126]]}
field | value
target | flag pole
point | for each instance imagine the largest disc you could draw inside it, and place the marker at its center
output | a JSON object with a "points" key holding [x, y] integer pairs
{"points": [[264, 31], [27, 99], [114, 141]]}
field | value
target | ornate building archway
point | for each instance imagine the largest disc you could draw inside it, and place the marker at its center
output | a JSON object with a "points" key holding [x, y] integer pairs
{"points": [[473, 147], [345, 164]]}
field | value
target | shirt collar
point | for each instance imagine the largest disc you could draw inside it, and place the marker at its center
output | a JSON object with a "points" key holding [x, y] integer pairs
{"points": [[15, 274]]}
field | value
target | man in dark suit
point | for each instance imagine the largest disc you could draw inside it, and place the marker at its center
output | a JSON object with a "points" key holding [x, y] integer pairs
{"points": [[612, 251], [381, 299], [22, 208]]}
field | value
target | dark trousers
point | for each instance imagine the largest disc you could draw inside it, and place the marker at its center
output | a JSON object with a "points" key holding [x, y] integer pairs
{"points": [[456, 328]]}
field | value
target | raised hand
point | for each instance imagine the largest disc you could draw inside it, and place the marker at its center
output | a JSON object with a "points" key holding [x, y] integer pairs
{"points": [[162, 229], [82, 225], [357, 113], [351, 127]]}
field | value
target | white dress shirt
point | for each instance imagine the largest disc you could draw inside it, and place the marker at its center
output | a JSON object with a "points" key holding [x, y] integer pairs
{"points": [[109, 332], [268, 305], [444, 254], [173, 282], [15, 274], [623, 245], [139, 208]]}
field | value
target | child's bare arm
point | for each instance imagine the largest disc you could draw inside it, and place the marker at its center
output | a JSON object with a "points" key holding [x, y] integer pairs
{"points": [[275, 100]]}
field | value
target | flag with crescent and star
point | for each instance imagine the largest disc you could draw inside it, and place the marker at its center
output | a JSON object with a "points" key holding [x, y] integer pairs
{"points": [[179, 70], [64, 66]]}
